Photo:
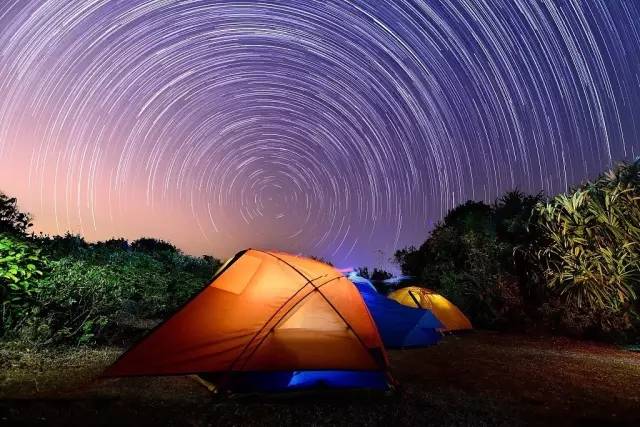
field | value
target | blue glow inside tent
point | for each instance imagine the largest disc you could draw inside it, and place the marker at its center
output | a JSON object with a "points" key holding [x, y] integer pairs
{"points": [[399, 325], [338, 379], [304, 380]]}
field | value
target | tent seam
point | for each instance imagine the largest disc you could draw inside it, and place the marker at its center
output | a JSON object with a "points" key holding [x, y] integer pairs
{"points": [[329, 302]]}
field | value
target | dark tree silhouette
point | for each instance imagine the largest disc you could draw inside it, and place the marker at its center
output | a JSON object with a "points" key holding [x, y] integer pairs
{"points": [[211, 260], [445, 241], [477, 255], [113, 244], [363, 272], [512, 214], [11, 219], [60, 246], [377, 275], [147, 244]]}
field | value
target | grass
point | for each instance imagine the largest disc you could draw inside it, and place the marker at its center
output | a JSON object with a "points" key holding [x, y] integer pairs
{"points": [[481, 378]]}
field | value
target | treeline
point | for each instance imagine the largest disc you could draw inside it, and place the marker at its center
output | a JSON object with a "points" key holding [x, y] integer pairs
{"points": [[567, 265], [64, 290]]}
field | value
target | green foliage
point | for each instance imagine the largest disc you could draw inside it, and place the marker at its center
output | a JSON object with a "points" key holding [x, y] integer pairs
{"points": [[74, 298], [20, 266], [61, 246], [570, 265], [444, 251], [469, 270], [63, 289], [477, 257], [84, 299], [591, 252]]}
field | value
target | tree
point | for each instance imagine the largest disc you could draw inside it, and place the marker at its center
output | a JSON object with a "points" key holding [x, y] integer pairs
{"points": [[411, 260], [471, 215], [62, 246], [113, 244], [211, 260], [147, 244], [378, 275], [363, 272], [476, 256], [444, 248], [513, 213], [12, 220]]}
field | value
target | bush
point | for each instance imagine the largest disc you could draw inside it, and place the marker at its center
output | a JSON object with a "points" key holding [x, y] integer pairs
{"points": [[83, 301], [62, 289], [20, 266], [76, 301], [570, 265], [591, 251], [57, 247]]}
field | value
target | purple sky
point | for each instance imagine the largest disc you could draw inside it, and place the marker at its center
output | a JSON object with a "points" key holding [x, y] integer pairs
{"points": [[333, 128]]}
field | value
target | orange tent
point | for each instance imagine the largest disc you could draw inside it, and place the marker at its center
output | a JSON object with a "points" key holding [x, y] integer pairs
{"points": [[447, 313], [263, 312]]}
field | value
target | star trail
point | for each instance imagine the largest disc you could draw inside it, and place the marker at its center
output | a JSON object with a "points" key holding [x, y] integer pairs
{"points": [[341, 129]]}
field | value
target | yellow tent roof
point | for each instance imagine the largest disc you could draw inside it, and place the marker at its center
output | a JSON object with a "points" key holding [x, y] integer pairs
{"points": [[447, 313]]}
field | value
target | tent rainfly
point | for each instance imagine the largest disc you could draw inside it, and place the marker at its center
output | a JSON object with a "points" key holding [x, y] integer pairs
{"points": [[268, 322], [447, 313], [399, 326]]}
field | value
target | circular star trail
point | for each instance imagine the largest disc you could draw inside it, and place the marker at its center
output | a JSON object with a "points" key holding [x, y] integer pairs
{"points": [[333, 128]]}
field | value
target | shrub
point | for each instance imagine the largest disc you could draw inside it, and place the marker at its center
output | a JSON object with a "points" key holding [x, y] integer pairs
{"points": [[591, 250], [80, 292], [57, 247], [85, 300], [76, 301], [20, 266]]}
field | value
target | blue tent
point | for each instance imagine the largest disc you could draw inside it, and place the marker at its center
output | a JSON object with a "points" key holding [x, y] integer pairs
{"points": [[362, 283], [399, 325]]}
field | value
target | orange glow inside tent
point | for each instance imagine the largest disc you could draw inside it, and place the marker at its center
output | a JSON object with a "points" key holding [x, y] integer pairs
{"points": [[447, 313], [263, 312]]}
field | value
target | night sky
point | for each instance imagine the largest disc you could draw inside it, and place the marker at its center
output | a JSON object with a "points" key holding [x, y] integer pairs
{"points": [[332, 128]]}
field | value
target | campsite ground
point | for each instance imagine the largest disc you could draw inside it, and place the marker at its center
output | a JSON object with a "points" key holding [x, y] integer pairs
{"points": [[482, 378]]}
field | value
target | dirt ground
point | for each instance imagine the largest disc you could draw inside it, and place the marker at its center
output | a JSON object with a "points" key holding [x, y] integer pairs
{"points": [[481, 378]]}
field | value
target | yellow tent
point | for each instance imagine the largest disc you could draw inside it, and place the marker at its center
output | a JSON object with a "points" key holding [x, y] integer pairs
{"points": [[448, 314]]}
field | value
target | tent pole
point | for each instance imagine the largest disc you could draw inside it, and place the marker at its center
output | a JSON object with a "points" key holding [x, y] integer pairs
{"points": [[413, 297]]}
